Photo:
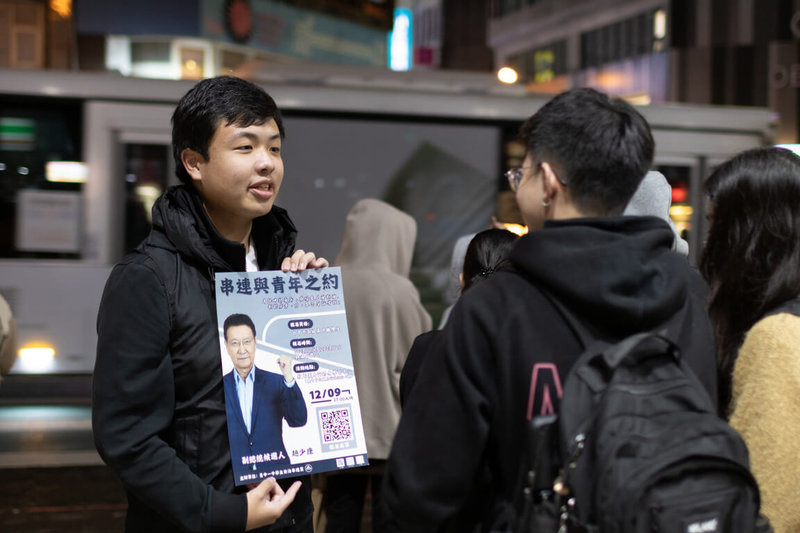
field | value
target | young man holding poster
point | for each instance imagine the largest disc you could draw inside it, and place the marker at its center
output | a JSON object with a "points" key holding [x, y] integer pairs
{"points": [[506, 349], [158, 412]]}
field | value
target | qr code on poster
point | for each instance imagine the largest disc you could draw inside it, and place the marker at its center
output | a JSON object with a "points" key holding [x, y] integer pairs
{"points": [[335, 425]]}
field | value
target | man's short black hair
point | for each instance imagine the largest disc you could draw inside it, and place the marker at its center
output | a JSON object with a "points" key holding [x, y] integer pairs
{"points": [[600, 146], [237, 319], [222, 100]]}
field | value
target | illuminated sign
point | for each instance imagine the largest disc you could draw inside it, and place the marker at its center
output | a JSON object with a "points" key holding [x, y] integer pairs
{"points": [[543, 61], [400, 40], [66, 171], [36, 358], [48, 221], [17, 134], [286, 30]]}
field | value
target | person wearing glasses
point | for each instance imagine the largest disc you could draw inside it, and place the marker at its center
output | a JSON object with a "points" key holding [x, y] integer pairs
{"points": [[506, 349], [256, 403]]}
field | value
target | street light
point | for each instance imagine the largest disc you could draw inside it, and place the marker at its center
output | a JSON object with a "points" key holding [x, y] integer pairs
{"points": [[507, 75]]}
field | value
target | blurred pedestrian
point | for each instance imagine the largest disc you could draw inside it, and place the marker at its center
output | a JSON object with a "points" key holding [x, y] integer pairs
{"points": [[453, 289], [8, 338], [752, 263], [384, 315], [487, 252]]}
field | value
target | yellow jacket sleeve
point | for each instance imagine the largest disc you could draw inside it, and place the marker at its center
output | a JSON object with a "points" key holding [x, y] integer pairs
{"points": [[765, 409]]}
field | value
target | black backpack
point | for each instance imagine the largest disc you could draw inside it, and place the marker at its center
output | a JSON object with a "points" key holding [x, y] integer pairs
{"points": [[637, 447]]}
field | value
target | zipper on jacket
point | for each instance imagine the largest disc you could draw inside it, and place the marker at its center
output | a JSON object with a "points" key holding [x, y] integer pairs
{"points": [[211, 274]]}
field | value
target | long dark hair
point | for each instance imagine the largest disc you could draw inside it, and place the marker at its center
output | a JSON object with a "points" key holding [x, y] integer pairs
{"points": [[487, 253], [751, 258]]}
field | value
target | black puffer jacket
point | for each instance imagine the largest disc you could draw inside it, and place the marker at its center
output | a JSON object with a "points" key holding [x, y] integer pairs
{"points": [[158, 410], [506, 351]]}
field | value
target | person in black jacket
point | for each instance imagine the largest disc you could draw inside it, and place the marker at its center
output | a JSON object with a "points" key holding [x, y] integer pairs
{"points": [[487, 253], [455, 461], [158, 404]]}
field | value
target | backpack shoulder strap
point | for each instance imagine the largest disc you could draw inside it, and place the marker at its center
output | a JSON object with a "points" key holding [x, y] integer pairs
{"points": [[589, 337]]}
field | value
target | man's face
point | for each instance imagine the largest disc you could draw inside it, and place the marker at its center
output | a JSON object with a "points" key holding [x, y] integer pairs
{"points": [[242, 176], [241, 347]]}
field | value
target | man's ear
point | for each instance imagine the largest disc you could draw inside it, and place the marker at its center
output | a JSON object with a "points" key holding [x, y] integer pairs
{"points": [[550, 183], [192, 162]]}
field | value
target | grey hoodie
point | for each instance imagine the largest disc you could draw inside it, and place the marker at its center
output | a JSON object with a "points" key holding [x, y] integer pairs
{"points": [[653, 198], [384, 312]]}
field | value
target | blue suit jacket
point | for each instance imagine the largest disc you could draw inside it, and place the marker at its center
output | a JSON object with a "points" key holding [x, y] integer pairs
{"points": [[272, 402]]}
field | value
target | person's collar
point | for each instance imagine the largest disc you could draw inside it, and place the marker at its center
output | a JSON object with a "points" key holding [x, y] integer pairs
{"points": [[250, 375], [251, 260]]}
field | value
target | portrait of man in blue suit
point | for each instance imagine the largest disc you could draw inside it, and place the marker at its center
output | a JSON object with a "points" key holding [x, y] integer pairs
{"points": [[256, 403]]}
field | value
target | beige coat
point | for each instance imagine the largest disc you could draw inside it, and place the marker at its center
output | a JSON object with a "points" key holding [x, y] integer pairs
{"points": [[766, 411], [384, 313]]}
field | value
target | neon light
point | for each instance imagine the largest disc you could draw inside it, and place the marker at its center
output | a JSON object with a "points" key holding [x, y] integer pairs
{"points": [[400, 40]]}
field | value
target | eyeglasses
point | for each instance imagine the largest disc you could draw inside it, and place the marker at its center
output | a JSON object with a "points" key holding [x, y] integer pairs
{"points": [[245, 343], [514, 176]]}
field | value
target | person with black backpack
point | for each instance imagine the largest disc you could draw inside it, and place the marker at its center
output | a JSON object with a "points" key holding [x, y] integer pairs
{"points": [[508, 347], [752, 263]]}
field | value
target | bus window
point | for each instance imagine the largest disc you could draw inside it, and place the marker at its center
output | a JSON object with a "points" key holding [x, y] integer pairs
{"points": [[40, 178], [146, 177]]}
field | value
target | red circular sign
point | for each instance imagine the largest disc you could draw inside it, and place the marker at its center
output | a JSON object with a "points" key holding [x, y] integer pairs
{"points": [[239, 20]]}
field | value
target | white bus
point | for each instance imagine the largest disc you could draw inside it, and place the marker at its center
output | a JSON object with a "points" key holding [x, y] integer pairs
{"points": [[434, 144]]}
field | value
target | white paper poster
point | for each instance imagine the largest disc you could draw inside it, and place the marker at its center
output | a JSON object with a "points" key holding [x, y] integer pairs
{"points": [[290, 388]]}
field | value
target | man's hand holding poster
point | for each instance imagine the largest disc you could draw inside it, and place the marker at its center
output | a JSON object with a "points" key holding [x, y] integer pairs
{"points": [[290, 390]]}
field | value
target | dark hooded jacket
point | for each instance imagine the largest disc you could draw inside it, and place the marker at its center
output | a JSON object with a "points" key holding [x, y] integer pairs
{"points": [[505, 353], [158, 412]]}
